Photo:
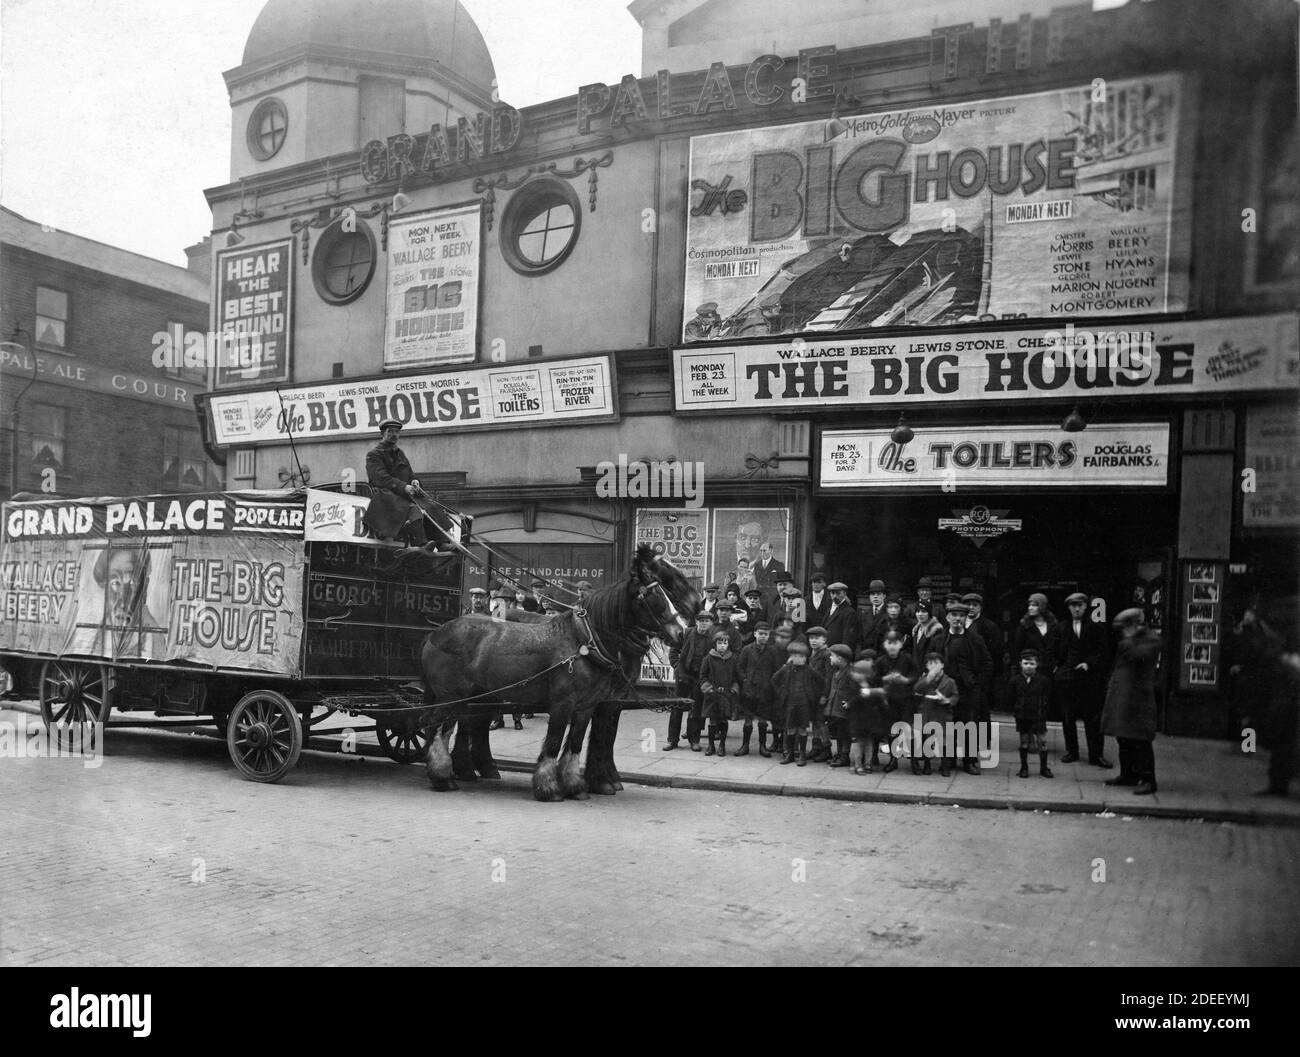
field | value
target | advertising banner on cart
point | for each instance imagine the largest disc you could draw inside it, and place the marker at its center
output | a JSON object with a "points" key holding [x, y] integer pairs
{"points": [[1057, 203], [254, 296], [1109, 455], [433, 285], [213, 579], [536, 394], [1206, 358], [1273, 452]]}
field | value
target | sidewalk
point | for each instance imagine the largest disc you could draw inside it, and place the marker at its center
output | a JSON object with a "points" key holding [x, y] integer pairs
{"points": [[1199, 779]]}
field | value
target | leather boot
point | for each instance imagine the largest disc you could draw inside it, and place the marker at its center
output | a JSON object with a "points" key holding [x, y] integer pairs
{"points": [[763, 749], [711, 751], [745, 733], [892, 765], [803, 750], [722, 742], [1024, 764], [945, 768], [787, 754], [1043, 769], [916, 765]]}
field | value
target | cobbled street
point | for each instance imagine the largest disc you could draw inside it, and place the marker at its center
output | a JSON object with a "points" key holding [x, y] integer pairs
{"points": [[162, 855]]}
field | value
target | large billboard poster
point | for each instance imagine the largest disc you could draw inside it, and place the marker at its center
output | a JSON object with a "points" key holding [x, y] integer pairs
{"points": [[1058, 203], [433, 284], [213, 579], [254, 298]]}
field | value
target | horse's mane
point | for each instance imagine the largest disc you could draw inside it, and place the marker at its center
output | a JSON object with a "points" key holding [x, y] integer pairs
{"points": [[609, 614]]}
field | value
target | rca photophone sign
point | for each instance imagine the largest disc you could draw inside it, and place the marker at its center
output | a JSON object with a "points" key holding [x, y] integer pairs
{"points": [[254, 296], [547, 393], [434, 261], [1052, 204], [1132, 455], [1175, 359], [979, 524]]}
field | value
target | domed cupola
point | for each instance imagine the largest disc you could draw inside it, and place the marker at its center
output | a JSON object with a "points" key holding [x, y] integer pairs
{"points": [[323, 77]]}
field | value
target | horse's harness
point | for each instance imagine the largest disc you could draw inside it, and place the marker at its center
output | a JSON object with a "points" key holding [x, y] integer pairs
{"points": [[592, 649]]}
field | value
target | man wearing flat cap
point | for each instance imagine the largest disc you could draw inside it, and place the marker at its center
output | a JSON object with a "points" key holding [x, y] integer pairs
{"points": [[841, 621], [392, 509], [819, 599], [1076, 680], [478, 602]]}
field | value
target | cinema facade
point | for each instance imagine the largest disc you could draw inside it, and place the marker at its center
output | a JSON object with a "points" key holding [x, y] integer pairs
{"points": [[1009, 305]]}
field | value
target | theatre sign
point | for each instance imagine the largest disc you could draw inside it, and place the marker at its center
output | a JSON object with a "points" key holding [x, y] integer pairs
{"points": [[1175, 359]]}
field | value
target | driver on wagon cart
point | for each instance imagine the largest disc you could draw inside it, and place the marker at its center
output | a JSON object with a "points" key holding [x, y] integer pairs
{"points": [[392, 509]]}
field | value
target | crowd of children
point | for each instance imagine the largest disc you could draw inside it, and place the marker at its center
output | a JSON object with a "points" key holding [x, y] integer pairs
{"points": [[820, 701]]}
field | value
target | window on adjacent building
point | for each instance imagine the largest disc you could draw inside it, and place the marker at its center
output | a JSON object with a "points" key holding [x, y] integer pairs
{"points": [[175, 368], [267, 129], [46, 426], [185, 463], [51, 318]]}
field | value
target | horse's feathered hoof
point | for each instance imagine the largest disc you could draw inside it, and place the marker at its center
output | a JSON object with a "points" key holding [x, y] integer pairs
{"points": [[581, 794], [604, 788], [443, 785]]}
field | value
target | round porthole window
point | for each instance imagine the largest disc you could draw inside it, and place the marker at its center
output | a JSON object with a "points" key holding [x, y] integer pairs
{"points": [[540, 226], [343, 263], [267, 129]]}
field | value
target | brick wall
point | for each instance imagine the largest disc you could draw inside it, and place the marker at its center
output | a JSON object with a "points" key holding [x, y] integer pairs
{"points": [[113, 445]]}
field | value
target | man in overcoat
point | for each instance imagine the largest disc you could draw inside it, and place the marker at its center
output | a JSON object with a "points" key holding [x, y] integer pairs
{"points": [[965, 659], [1076, 680], [392, 509], [841, 621], [1129, 714]]}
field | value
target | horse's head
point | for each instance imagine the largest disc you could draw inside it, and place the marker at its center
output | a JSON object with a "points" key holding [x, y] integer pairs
{"points": [[666, 595]]}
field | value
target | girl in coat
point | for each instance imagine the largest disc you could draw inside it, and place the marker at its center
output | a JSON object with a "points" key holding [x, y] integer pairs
{"points": [[1129, 714]]}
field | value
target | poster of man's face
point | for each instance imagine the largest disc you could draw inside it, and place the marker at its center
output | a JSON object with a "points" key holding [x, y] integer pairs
{"points": [[759, 536], [123, 573]]}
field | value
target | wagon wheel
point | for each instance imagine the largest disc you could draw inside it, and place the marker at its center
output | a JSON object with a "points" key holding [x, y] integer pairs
{"points": [[405, 745], [264, 736], [73, 694]]}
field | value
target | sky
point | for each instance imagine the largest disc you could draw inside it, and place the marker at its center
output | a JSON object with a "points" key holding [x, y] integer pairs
{"points": [[114, 116]]}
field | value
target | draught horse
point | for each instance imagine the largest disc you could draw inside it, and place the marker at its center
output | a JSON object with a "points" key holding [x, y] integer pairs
{"points": [[573, 666]]}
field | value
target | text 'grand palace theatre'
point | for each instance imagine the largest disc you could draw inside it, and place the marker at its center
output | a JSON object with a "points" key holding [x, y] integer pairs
{"points": [[1007, 303]]}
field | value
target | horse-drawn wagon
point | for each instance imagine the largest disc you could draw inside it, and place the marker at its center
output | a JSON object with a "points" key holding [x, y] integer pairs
{"points": [[261, 612], [266, 612]]}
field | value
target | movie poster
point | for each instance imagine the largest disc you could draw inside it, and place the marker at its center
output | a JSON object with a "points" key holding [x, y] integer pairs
{"points": [[214, 579], [1058, 203], [749, 547], [434, 260]]}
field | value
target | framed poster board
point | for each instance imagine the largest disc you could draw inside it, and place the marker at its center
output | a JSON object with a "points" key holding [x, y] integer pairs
{"points": [[1201, 611]]}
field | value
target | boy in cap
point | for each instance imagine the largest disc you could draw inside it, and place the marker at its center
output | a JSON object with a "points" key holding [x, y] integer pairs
{"points": [[710, 598], [1031, 693], [392, 508], [796, 692], [819, 660], [755, 667], [936, 694], [865, 709], [725, 611], [719, 687], [793, 610], [897, 672], [695, 646], [838, 696]]}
